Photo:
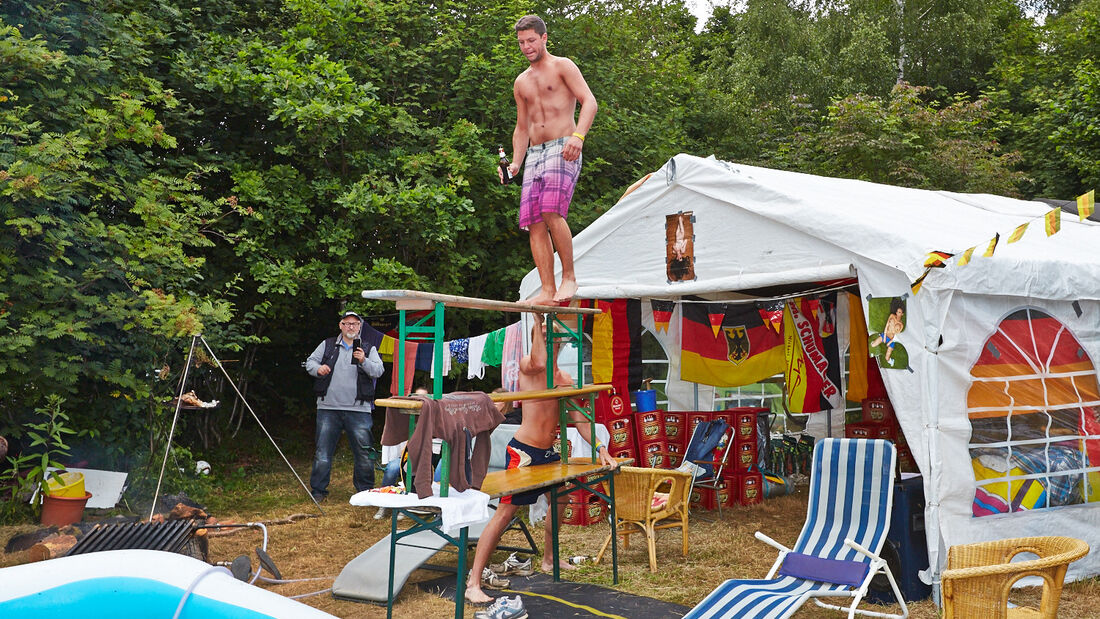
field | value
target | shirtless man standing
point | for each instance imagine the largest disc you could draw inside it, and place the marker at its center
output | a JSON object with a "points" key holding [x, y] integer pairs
{"points": [[533, 443], [548, 140]]}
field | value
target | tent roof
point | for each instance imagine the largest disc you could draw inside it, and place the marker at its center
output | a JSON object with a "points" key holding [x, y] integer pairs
{"points": [[757, 227]]}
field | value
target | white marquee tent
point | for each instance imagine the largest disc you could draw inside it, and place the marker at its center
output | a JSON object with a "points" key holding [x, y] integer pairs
{"points": [[760, 229]]}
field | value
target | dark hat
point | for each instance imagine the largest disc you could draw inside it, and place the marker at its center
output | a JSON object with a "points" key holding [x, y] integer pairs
{"points": [[346, 314]]}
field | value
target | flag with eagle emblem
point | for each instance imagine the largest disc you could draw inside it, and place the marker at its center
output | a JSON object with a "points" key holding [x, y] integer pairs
{"points": [[745, 350]]}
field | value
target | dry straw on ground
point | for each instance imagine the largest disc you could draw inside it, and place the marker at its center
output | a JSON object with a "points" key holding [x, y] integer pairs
{"points": [[319, 547]]}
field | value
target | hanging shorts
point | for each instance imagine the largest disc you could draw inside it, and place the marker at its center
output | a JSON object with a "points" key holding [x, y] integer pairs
{"points": [[521, 455], [548, 182]]}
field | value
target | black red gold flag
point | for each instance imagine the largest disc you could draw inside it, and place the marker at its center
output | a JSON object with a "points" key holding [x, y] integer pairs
{"points": [[662, 313], [716, 313], [617, 344], [747, 351]]}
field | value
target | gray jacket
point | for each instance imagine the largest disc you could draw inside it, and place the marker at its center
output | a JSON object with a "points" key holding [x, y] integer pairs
{"points": [[341, 391]]}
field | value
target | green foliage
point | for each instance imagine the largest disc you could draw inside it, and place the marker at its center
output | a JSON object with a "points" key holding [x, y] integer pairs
{"points": [[46, 449]]}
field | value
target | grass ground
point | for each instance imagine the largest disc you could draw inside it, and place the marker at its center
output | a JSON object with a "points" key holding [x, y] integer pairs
{"points": [[319, 547]]}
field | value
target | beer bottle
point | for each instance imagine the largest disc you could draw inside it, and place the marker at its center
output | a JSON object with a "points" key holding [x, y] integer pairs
{"points": [[506, 174]]}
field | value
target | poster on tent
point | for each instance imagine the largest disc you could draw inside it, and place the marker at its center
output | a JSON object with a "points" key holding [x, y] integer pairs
{"points": [[885, 321], [811, 352], [680, 247]]}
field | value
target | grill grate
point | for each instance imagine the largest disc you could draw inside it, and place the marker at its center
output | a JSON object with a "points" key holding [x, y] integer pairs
{"points": [[170, 536]]}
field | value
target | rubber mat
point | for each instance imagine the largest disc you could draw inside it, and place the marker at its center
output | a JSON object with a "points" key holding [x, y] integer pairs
{"points": [[542, 597]]}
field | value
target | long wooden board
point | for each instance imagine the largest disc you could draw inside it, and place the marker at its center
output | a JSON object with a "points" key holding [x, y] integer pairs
{"points": [[507, 396], [525, 479], [418, 300]]}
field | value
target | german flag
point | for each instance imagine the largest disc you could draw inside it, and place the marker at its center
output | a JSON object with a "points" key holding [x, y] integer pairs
{"points": [[1018, 233], [617, 344], [992, 245], [746, 350], [936, 259], [964, 259], [812, 369], [662, 313]]}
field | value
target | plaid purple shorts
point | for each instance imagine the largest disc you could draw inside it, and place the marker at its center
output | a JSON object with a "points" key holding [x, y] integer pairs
{"points": [[548, 182]]}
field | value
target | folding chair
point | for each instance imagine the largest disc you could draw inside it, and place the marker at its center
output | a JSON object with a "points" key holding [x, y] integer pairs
{"points": [[699, 455], [837, 553]]}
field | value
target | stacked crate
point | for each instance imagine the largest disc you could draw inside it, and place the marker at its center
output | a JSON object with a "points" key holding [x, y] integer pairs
{"points": [[614, 413], [676, 437], [584, 509], [878, 421], [649, 434], [743, 480]]}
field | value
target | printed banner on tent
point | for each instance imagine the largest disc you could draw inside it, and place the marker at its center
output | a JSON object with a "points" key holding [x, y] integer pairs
{"points": [[885, 320], [745, 351], [812, 355]]}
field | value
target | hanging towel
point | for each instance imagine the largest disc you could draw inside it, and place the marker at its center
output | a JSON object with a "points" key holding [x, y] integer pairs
{"points": [[476, 368], [512, 353], [385, 349], [424, 354], [459, 350], [494, 348], [410, 367], [446, 360]]}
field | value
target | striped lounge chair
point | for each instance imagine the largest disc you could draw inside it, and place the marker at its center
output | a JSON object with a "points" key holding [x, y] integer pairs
{"points": [[837, 553]]}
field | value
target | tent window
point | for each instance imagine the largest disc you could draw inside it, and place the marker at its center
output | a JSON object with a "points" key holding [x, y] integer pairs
{"points": [[1034, 411]]}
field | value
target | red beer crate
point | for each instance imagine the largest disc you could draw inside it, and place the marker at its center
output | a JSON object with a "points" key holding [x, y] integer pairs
{"points": [[675, 454], [702, 498], [675, 427], [744, 423], [693, 419], [871, 430], [726, 416], [723, 494], [748, 488], [878, 410], [653, 454], [625, 452], [649, 426], [584, 509], [622, 433], [743, 457], [611, 405]]}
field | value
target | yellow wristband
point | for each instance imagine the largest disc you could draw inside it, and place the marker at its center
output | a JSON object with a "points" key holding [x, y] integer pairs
{"points": [[578, 135]]}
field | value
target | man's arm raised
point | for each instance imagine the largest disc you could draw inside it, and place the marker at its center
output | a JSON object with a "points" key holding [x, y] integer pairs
{"points": [[574, 81]]}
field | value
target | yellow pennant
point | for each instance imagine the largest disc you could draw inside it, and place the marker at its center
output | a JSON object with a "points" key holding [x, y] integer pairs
{"points": [[1018, 233], [964, 259], [992, 245], [1086, 204], [915, 286], [1053, 221]]}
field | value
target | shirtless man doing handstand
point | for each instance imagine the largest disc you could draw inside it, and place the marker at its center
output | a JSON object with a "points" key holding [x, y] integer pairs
{"points": [[533, 443], [548, 141]]}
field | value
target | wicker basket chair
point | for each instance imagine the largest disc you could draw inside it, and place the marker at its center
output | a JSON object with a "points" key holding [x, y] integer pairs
{"points": [[641, 506], [979, 576]]}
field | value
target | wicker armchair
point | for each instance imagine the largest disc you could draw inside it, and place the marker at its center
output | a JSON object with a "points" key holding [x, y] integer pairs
{"points": [[979, 576], [642, 506]]}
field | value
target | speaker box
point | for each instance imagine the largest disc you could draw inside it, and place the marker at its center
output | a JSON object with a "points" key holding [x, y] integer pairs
{"points": [[905, 550]]}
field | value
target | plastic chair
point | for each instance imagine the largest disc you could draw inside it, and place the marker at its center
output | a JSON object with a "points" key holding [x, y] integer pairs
{"points": [[979, 576], [837, 552], [647, 500]]}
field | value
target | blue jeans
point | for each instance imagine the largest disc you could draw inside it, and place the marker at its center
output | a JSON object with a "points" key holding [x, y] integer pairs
{"points": [[393, 471], [358, 427]]}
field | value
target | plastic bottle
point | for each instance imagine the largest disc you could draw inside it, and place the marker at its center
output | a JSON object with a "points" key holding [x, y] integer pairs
{"points": [[578, 560]]}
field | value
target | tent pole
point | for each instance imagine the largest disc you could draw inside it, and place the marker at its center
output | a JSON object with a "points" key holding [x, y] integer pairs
{"points": [[175, 417], [931, 490], [260, 423]]}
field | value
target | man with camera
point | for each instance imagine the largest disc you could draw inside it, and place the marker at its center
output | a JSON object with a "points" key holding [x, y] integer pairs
{"points": [[345, 379]]}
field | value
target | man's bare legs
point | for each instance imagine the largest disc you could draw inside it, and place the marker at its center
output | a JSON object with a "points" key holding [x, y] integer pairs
{"points": [[548, 540], [563, 242], [542, 250], [486, 544], [546, 236]]}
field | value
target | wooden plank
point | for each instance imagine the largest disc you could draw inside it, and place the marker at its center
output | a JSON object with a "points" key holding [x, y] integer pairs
{"points": [[506, 396], [527, 478], [416, 299]]}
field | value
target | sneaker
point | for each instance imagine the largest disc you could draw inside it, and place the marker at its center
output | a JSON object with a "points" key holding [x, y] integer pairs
{"points": [[512, 566], [490, 580], [383, 512], [503, 608], [317, 496]]}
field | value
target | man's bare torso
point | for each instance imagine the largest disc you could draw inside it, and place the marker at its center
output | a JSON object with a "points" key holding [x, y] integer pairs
{"points": [[540, 417], [551, 107]]}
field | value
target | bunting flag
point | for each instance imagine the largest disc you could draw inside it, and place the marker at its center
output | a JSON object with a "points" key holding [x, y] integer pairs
{"points": [[716, 314], [617, 344], [936, 259], [915, 286], [1086, 204], [748, 350], [772, 313], [1053, 220], [1018, 233], [964, 259], [812, 370], [992, 245], [662, 313]]}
